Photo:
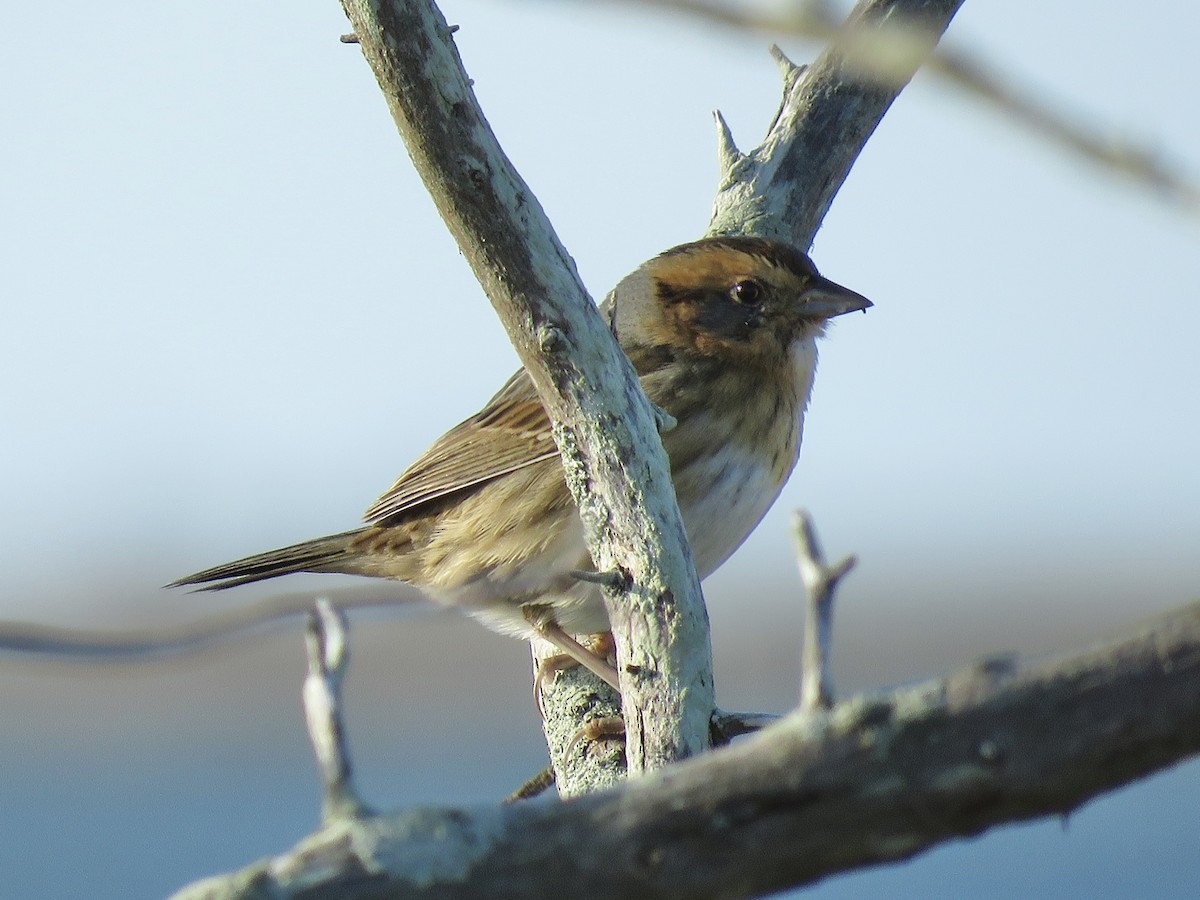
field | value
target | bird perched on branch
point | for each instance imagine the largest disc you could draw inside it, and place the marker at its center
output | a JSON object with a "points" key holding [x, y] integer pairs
{"points": [[722, 333]]}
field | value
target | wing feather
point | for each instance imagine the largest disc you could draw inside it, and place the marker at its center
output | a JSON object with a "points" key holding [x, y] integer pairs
{"points": [[511, 432]]}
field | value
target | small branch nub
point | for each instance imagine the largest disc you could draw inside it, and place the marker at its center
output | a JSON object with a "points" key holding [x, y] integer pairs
{"points": [[725, 726], [663, 420], [728, 155], [615, 579], [788, 69], [536, 785]]}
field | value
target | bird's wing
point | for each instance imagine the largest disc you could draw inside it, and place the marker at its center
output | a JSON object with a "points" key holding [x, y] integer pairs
{"points": [[511, 432]]}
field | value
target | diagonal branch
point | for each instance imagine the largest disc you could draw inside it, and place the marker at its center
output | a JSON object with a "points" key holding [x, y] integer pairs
{"points": [[1136, 157], [604, 426]]}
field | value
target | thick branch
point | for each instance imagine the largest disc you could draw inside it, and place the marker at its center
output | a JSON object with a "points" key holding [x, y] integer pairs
{"points": [[605, 428], [877, 779]]}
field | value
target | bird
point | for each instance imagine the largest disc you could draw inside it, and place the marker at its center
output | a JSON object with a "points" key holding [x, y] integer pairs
{"points": [[722, 333]]}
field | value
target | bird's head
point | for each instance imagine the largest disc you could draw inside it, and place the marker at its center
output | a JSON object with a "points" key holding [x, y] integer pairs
{"points": [[742, 299]]}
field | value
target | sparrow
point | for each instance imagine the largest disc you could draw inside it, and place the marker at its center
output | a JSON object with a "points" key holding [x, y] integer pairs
{"points": [[722, 333]]}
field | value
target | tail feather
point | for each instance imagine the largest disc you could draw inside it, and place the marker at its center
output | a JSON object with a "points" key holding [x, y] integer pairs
{"points": [[325, 554]]}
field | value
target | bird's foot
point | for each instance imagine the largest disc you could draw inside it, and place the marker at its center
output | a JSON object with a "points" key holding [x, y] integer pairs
{"points": [[605, 728], [588, 657]]}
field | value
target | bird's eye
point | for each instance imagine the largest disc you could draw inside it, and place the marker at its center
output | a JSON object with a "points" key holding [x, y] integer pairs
{"points": [[748, 292]]}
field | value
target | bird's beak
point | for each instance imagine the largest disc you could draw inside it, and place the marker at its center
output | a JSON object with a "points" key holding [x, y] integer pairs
{"points": [[824, 299]]}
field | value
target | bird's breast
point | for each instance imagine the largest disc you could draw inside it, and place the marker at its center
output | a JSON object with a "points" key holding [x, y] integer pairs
{"points": [[722, 498], [727, 474], [735, 447]]}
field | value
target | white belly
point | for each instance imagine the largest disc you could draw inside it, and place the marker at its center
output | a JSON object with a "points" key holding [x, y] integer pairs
{"points": [[719, 519]]}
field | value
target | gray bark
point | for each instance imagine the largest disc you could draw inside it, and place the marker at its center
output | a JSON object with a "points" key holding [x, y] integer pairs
{"points": [[604, 426], [782, 190], [875, 779]]}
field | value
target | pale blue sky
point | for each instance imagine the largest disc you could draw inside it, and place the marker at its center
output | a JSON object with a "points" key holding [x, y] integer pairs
{"points": [[230, 311], [230, 305]]}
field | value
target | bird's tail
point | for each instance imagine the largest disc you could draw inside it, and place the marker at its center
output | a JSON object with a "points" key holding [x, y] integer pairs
{"points": [[325, 554]]}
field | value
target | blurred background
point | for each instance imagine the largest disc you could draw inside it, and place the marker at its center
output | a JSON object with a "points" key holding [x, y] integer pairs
{"points": [[232, 317]]}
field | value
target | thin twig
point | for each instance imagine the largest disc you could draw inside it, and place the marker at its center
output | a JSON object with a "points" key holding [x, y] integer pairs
{"points": [[820, 583], [84, 645], [728, 725], [538, 784], [328, 658]]}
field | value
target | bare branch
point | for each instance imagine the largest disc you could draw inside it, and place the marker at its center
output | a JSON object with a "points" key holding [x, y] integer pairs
{"points": [[604, 426], [123, 645], [328, 658], [875, 779], [784, 187], [728, 725], [1140, 159], [820, 583], [534, 787]]}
